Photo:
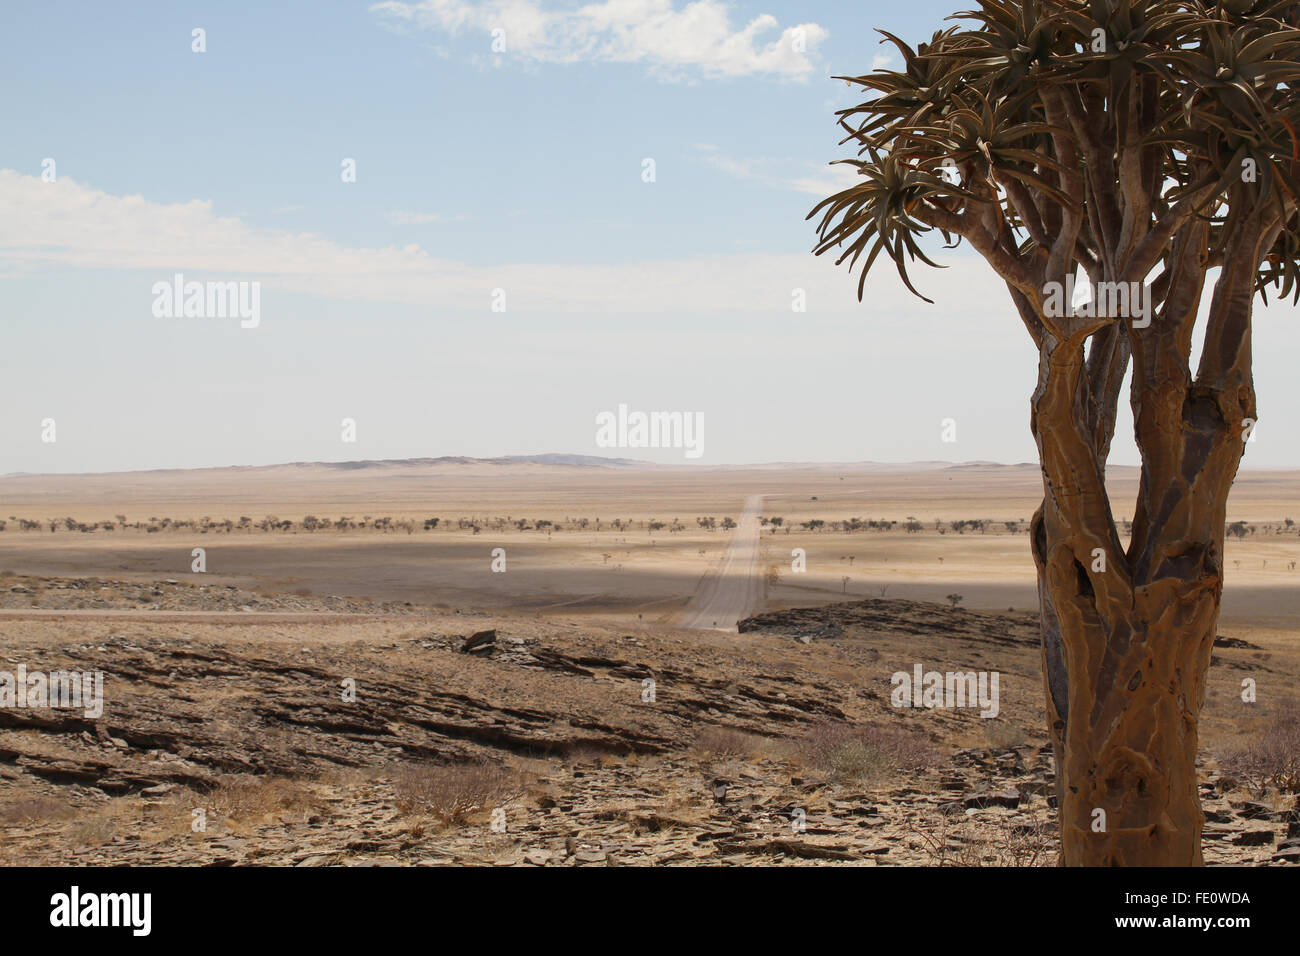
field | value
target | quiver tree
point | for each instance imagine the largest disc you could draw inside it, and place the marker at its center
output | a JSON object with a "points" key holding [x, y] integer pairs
{"points": [[1145, 148]]}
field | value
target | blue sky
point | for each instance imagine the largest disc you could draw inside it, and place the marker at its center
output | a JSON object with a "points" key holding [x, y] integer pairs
{"points": [[477, 170]]}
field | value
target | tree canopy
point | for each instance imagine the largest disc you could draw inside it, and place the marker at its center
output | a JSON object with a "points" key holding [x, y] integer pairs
{"points": [[1083, 134]]}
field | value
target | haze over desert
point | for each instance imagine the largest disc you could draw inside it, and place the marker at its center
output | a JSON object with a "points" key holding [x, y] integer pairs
{"points": [[599, 555]]}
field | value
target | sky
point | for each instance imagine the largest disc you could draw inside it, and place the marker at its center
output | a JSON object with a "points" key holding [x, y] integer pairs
{"points": [[473, 229]]}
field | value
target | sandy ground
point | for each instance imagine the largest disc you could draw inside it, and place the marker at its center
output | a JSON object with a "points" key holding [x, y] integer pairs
{"points": [[224, 685], [625, 572]]}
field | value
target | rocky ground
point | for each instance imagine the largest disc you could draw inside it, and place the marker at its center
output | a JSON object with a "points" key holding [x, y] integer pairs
{"points": [[169, 594], [443, 738]]}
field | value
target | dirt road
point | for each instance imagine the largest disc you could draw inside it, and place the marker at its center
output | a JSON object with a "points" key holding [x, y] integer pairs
{"points": [[734, 589]]}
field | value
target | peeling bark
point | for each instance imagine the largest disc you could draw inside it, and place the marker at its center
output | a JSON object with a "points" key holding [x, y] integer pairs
{"points": [[1127, 635]]}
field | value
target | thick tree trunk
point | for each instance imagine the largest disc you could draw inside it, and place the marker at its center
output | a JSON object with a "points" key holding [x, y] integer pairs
{"points": [[1127, 635], [1132, 754], [1123, 699]]}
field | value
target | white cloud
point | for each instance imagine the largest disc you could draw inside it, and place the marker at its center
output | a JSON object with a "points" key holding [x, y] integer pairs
{"points": [[698, 37], [825, 180], [403, 217], [814, 179], [68, 224]]}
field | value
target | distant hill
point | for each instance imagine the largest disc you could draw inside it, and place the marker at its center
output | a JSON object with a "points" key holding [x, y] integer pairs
{"points": [[574, 461], [464, 465], [386, 465]]}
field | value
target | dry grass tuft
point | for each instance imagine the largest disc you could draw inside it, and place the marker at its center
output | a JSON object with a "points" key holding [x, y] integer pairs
{"points": [[243, 797], [35, 810], [93, 831], [1270, 758], [727, 742], [967, 841], [451, 792], [860, 753]]}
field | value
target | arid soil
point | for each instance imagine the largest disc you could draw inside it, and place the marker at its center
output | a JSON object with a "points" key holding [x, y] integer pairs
{"points": [[602, 554], [371, 690], [542, 742]]}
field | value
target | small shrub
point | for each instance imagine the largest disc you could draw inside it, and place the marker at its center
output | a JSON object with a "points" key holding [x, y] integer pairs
{"points": [[95, 831], [1271, 758], [998, 842], [861, 752], [35, 810], [245, 797], [725, 742], [450, 792]]}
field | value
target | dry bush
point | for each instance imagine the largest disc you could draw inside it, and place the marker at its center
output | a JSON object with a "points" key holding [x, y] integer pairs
{"points": [[239, 796], [966, 841], [93, 831], [532, 770], [860, 752], [1270, 758], [584, 755], [450, 792], [580, 755], [35, 810], [726, 742]]}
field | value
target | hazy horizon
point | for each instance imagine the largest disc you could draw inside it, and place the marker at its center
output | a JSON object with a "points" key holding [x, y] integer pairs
{"points": [[588, 461], [553, 459]]}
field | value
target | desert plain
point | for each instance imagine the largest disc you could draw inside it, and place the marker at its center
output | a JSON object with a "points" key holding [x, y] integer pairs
{"points": [[566, 661]]}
